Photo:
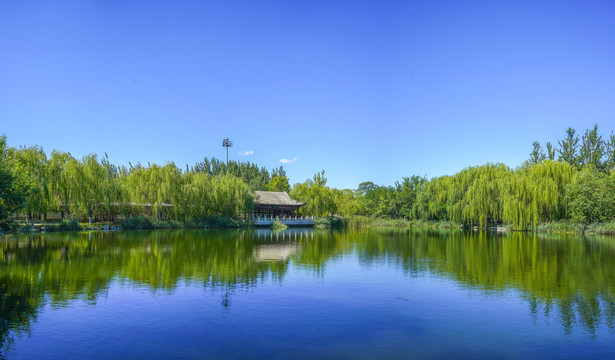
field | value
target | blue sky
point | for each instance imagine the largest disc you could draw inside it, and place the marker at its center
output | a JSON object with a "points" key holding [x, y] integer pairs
{"points": [[366, 90]]}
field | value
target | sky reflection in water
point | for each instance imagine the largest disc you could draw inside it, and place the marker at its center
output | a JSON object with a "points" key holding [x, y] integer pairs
{"points": [[303, 293]]}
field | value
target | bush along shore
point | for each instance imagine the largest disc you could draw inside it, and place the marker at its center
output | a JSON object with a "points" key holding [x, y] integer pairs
{"points": [[598, 228], [141, 222], [138, 222]]}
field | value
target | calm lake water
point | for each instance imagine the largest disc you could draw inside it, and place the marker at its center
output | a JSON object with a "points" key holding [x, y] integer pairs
{"points": [[303, 293]]}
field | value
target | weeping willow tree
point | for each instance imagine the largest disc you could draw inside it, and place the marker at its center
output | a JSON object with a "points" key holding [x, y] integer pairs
{"points": [[229, 196], [482, 202], [62, 179], [472, 196], [95, 185], [431, 200], [347, 201], [537, 193], [29, 163], [194, 195], [12, 191], [494, 193], [319, 198], [153, 188]]}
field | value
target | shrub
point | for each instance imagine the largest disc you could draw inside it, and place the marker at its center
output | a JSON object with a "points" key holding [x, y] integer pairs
{"points": [[69, 224], [277, 224], [330, 222], [216, 222], [138, 222]]}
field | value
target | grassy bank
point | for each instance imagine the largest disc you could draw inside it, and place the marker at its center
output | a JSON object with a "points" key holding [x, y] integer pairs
{"points": [[133, 223], [604, 228], [217, 222], [375, 222]]}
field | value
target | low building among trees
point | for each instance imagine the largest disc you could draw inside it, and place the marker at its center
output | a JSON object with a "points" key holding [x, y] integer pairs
{"points": [[275, 204]]}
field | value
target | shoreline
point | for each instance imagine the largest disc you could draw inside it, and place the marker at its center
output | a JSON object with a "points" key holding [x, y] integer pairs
{"points": [[332, 222]]}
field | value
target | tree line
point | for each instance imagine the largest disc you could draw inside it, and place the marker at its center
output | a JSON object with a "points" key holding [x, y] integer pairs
{"points": [[34, 183], [572, 182]]}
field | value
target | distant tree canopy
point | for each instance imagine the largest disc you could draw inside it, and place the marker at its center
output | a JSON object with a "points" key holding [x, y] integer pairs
{"points": [[256, 178], [591, 150], [91, 187], [573, 182]]}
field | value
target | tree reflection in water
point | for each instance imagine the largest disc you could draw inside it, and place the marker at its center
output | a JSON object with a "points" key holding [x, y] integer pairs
{"points": [[568, 278]]}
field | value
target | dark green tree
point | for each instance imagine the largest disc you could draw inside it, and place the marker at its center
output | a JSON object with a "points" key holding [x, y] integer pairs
{"points": [[609, 162], [592, 149], [550, 151], [569, 147], [12, 192], [537, 155], [591, 196]]}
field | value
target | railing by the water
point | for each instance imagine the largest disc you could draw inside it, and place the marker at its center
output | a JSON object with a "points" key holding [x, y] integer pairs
{"points": [[288, 221]]}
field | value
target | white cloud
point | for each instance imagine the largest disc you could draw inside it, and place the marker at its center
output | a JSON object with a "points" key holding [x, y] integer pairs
{"points": [[288, 161], [246, 153]]}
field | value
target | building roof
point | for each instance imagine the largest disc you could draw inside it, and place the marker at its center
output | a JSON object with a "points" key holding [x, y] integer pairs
{"points": [[275, 198]]}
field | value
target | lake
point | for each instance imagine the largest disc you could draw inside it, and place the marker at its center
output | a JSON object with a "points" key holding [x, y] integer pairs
{"points": [[303, 293]]}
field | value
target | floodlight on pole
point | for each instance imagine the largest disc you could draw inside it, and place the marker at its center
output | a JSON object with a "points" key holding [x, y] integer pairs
{"points": [[227, 144]]}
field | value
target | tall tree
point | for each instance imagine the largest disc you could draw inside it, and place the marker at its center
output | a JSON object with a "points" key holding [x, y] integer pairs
{"points": [[569, 147], [592, 149], [30, 163], [537, 155], [610, 154], [92, 178], [12, 194], [319, 198], [406, 193], [62, 178], [279, 183], [550, 151]]}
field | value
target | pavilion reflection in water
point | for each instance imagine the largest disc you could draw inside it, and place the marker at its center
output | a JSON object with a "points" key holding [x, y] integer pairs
{"points": [[281, 245]]}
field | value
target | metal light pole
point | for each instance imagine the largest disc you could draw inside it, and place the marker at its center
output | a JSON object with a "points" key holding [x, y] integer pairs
{"points": [[227, 144]]}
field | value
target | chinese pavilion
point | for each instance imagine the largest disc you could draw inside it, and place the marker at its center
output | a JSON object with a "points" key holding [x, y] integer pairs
{"points": [[275, 204]]}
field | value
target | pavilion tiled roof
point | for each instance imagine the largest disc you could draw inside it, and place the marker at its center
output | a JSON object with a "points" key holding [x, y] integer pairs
{"points": [[280, 198]]}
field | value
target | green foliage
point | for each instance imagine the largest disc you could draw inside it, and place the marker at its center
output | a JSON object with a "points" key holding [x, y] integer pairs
{"points": [[94, 185], [216, 222], [330, 222], [606, 228], [610, 154], [591, 196], [494, 193], [347, 201], [277, 224], [62, 172], [537, 193], [577, 188], [12, 190], [537, 155], [69, 224], [137, 222], [569, 147], [319, 198], [592, 149], [550, 151], [279, 183], [29, 163], [256, 178]]}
